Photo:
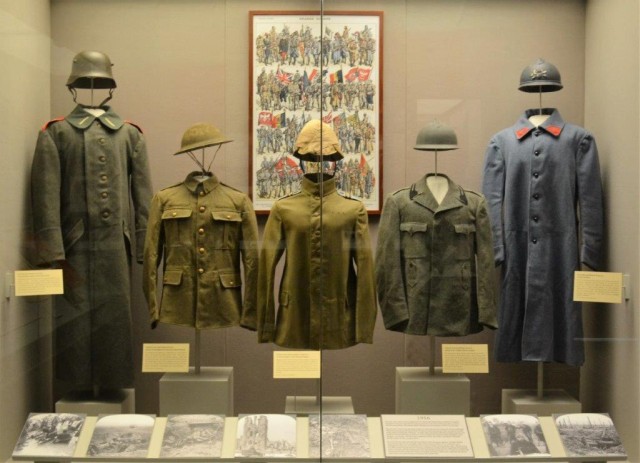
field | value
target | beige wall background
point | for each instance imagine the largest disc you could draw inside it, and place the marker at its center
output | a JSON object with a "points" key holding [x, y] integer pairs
{"points": [[178, 62]]}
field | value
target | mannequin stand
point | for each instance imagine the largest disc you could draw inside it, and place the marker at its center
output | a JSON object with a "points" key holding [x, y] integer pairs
{"points": [[307, 405], [206, 390], [428, 391]]}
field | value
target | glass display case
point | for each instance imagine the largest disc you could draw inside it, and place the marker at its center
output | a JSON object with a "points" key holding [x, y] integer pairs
{"points": [[294, 207]]}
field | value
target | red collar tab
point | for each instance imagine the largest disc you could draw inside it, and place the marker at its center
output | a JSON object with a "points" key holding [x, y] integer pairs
{"points": [[135, 125], [46, 126], [553, 130], [522, 132]]}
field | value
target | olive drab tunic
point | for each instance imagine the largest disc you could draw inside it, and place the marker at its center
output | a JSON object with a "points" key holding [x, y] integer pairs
{"points": [[434, 262], [324, 303], [201, 231], [545, 199], [86, 172]]}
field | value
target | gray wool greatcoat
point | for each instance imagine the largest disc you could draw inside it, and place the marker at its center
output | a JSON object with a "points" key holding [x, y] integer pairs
{"points": [[434, 262], [86, 172], [545, 198]]}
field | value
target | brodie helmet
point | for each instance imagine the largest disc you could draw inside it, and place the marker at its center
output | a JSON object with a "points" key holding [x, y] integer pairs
{"points": [[436, 137], [201, 135], [540, 77]]}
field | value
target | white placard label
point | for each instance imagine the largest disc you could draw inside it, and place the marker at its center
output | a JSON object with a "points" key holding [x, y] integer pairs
{"points": [[38, 282], [465, 358], [298, 364], [165, 358], [603, 287]]}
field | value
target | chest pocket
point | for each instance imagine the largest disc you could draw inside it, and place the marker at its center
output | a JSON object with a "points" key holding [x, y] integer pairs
{"points": [[177, 226], [465, 240], [226, 229], [413, 239]]}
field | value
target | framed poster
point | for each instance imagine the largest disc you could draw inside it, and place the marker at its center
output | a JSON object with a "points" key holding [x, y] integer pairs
{"points": [[306, 66]]}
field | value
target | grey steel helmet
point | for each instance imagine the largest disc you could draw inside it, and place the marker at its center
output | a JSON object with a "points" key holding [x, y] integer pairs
{"points": [[91, 69], [317, 142], [436, 137], [201, 135], [540, 77]]}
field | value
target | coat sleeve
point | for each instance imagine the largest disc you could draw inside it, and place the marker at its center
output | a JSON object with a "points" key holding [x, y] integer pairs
{"points": [[493, 190], [590, 202], [45, 198], [389, 282], [249, 252], [141, 193], [153, 246], [366, 308], [273, 246], [485, 269]]}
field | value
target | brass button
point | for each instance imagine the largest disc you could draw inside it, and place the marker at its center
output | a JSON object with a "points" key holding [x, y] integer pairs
{"points": [[103, 177], [231, 282], [201, 231], [200, 271], [102, 158], [173, 214], [228, 217], [201, 250], [202, 208], [105, 214], [101, 141], [201, 193], [104, 194]]}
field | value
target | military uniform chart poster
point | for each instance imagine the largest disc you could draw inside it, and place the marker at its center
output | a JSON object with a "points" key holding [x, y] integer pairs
{"points": [[305, 66], [49, 435], [589, 434], [343, 436], [268, 435], [121, 436], [189, 436]]}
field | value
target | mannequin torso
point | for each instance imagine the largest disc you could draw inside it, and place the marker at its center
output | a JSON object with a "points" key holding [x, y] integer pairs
{"points": [[439, 186], [538, 119]]}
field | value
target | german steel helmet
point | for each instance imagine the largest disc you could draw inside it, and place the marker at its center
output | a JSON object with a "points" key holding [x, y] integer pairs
{"points": [[436, 136], [201, 135], [91, 69], [540, 77], [317, 142]]}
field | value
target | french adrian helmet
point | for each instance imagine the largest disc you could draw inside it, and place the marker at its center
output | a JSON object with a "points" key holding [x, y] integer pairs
{"points": [[317, 142], [201, 135], [436, 136], [91, 69], [540, 77]]}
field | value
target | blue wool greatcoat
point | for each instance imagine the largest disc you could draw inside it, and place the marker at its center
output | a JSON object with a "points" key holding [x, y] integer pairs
{"points": [[544, 194]]}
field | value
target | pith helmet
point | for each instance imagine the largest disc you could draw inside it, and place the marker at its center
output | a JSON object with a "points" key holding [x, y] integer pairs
{"points": [[540, 77], [91, 69], [436, 136], [201, 136], [317, 142]]}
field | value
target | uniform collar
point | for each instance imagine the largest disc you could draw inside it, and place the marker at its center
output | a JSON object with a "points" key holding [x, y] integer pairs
{"points": [[81, 119], [421, 194], [207, 186], [312, 188], [553, 125]]}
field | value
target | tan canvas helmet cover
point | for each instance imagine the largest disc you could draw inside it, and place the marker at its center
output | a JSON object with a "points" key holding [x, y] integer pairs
{"points": [[317, 142], [201, 135]]}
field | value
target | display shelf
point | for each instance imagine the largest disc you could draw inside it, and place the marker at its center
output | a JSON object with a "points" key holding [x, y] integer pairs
{"points": [[474, 427]]}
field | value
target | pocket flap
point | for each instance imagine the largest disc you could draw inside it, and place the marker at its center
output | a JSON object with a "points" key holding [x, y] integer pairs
{"points": [[172, 277], [230, 280], [176, 214], [413, 227], [227, 216], [464, 228]]}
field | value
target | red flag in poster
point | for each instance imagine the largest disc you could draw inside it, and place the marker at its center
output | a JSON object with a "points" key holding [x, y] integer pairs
{"points": [[264, 118], [328, 118], [363, 163], [338, 120], [351, 75], [363, 74], [314, 73]]}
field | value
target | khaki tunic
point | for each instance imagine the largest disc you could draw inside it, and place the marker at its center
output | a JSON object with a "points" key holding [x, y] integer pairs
{"points": [[86, 173], [323, 302], [202, 230]]}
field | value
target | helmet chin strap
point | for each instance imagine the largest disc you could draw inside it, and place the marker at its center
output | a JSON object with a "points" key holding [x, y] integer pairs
{"points": [[74, 93]]}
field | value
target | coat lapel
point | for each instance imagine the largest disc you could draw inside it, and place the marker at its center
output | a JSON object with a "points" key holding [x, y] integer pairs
{"points": [[454, 198]]}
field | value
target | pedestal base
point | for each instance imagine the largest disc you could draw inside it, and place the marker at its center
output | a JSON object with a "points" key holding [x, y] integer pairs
{"points": [[420, 393], [525, 401], [307, 405], [210, 392], [113, 402]]}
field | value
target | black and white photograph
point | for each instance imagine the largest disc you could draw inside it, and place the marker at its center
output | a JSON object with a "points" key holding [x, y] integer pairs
{"points": [[121, 436], [268, 435], [343, 436], [193, 436], [49, 434], [588, 434], [514, 435], [303, 68]]}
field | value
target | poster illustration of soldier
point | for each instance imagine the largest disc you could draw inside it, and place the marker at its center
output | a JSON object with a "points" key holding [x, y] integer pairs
{"points": [[187, 436], [268, 435], [306, 67], [49, 434]]}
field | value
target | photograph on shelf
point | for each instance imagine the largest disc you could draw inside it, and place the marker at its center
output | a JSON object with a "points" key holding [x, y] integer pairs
{"points": [[514, 435], [588, 434], [343, 436], [121, 436], [268, 435], [305, 66], [49, 435], [188, 436]]}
